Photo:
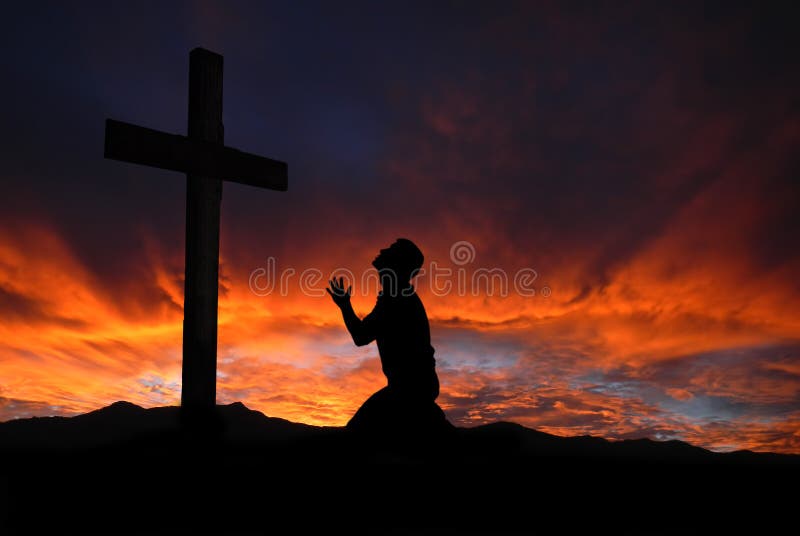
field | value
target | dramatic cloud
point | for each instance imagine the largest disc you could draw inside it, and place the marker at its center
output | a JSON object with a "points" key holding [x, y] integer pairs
{"points": [[625, 181]]}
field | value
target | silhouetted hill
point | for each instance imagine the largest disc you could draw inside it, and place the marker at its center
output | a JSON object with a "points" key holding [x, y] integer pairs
{"points": [[249, 472], [124, 422]]}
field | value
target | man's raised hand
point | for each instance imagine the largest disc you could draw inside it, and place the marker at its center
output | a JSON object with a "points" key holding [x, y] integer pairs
{"points": [[340, 296]]}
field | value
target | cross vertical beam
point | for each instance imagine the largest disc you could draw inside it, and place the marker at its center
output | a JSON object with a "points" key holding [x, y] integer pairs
{"points": [[203, 197], [206, 161]]}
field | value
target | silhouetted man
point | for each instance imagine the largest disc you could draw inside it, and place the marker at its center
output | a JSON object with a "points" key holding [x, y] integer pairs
{"points": [[399, 325]]}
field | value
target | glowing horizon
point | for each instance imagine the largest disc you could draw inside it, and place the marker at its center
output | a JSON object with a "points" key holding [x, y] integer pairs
{"points": [[520, 358]]}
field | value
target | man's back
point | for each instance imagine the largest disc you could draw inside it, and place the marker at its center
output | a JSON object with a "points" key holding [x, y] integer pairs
{"points": [[401, 329]]}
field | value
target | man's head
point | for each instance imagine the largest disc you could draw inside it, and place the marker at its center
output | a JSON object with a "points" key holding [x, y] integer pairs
{"points": [[403, 258]]}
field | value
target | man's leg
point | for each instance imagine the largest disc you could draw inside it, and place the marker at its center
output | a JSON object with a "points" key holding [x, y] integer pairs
{"points": [[374, 413]]}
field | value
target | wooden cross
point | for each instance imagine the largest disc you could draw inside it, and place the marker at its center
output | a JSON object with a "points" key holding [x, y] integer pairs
{"points": [[206, 162]]}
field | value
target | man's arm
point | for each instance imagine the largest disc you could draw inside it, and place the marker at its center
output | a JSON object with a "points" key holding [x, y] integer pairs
{"points": [[359, 329], [362, 331]]}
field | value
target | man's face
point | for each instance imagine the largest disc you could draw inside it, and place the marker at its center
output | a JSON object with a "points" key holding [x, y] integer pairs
{"points": [[386, 258]]}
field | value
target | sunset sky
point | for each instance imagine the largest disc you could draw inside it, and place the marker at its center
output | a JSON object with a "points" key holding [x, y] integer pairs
{"points": [[636, 169]]}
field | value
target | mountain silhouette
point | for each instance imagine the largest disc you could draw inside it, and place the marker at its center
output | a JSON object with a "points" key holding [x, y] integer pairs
{"points": [[125, 469], [125, 422]]}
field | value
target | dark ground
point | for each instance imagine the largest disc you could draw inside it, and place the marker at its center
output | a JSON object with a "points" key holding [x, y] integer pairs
{"points": [[124, 469]]}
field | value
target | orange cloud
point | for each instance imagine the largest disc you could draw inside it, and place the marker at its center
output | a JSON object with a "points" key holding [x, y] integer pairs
{"points": [[67, 349]]}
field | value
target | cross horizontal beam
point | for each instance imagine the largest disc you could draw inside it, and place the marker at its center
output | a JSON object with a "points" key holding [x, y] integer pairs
{"points": [[140, 145]]}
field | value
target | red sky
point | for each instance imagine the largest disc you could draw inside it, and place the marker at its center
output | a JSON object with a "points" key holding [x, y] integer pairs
{"points": [[643, 162]]}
